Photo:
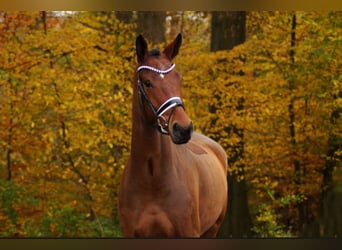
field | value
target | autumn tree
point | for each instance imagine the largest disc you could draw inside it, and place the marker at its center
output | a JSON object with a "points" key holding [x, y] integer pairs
{"points": [[227, 31], [290, 116], [69, 94]]}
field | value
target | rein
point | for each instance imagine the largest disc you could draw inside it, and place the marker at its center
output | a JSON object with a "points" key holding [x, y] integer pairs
{"points": [[171, 103]]}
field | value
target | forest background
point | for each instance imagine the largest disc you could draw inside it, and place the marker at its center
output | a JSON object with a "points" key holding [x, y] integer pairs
{"points": [[265, 85]]}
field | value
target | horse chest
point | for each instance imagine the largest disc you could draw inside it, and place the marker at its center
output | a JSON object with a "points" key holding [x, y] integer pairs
{"points": [[167, 188]]}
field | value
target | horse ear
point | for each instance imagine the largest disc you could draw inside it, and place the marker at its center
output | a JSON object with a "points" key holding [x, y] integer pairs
{"points": [[141, 48], [172, 49]]}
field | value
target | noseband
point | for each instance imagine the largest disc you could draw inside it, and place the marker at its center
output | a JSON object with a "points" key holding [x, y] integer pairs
{"points": [[171, 103]]}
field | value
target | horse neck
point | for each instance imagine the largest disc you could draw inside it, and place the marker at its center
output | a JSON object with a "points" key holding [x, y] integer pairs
{"points": [[148, 145]]}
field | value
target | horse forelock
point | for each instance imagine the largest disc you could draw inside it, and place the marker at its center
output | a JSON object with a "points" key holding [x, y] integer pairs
{"points": [[155, 52]]}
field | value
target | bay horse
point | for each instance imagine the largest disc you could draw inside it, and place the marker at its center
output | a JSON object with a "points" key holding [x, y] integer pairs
{"points": [[175, 181]]}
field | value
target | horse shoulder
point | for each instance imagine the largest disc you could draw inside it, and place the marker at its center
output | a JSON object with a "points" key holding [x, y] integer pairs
{"points": [[209, 145]]}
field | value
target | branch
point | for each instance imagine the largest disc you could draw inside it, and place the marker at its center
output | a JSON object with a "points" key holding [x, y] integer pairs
{"points": [[95, 28], [269, 54]]}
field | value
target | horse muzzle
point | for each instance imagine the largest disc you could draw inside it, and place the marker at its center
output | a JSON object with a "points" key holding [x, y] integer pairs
{"points": [[180, 134]]}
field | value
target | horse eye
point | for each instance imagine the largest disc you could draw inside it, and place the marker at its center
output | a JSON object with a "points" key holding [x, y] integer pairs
{"points": [[148, 84]]}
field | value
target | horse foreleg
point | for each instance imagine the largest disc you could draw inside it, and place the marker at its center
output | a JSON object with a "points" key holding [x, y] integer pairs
{"points": [[212, 231]]}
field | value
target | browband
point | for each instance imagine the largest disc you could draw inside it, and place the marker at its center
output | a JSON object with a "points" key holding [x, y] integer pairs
{"points": [[159, 71]]}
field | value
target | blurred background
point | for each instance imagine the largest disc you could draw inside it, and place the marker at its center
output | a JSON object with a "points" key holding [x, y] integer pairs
{"points": [[265, 85]]}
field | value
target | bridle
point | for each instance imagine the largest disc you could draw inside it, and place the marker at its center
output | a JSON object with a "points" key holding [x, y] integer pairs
{"points": [[171, 103]]}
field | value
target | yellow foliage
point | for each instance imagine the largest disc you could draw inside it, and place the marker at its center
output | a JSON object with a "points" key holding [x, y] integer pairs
{"points": [[65, 108]]}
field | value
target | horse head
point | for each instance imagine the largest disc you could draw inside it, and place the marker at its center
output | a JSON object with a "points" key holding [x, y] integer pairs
{"points": [[159, 88]]}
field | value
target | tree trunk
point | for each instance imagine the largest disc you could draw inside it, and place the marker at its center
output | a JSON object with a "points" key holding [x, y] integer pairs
{"points": [[331, 200], [124, 16], [227, 31], [151, 24], [10, 140], [298, 169]]}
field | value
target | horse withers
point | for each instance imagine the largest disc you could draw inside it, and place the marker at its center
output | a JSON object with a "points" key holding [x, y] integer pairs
{"points": [[175, 181]]}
